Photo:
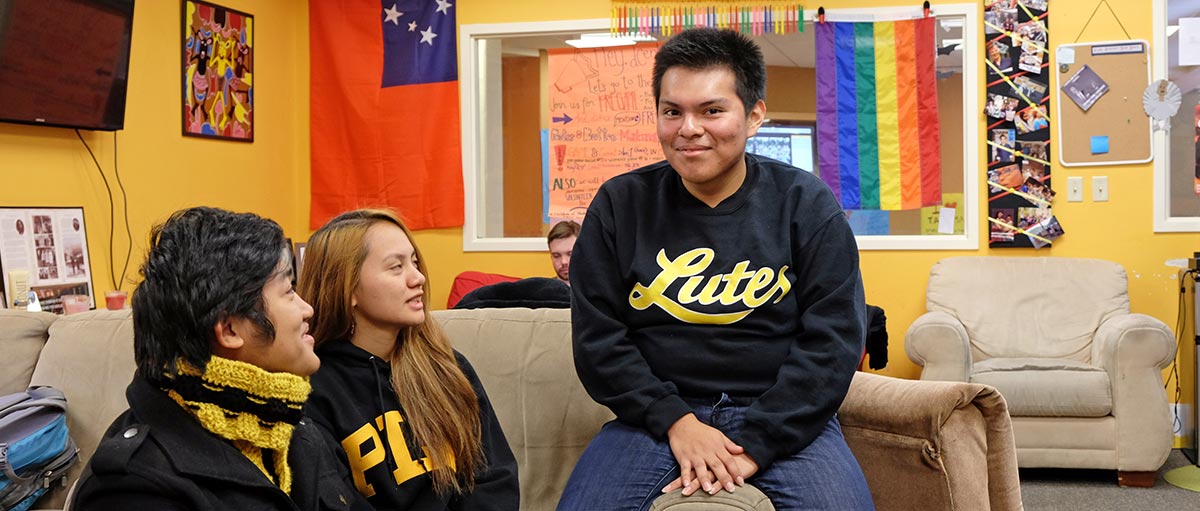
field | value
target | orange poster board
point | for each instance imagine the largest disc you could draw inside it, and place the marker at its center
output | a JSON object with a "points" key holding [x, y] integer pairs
{"points": [[601, 122]]}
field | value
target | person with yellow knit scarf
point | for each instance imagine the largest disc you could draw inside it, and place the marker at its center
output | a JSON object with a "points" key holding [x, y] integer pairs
{"points": [[223, 355]]}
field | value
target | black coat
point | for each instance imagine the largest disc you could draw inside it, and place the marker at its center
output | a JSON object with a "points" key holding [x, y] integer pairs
{"points": [[157, 456]]}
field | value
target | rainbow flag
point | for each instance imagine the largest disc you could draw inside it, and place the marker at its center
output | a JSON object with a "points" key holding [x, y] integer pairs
{"points": [[877, 115]]}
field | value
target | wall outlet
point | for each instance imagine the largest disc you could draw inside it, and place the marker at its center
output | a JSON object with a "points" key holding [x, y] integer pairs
{"points": [[1099, 188], [1075, 189]]}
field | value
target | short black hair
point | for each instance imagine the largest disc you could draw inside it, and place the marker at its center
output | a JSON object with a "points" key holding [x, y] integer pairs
{"points": [[204, 265], [703, 48]]}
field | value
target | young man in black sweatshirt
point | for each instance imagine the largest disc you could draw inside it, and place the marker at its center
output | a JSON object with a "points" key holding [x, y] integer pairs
{"points": [[717, 307]]}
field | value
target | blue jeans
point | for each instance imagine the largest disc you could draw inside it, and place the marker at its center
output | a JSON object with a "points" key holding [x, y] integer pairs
{"points": [[625, 468]]}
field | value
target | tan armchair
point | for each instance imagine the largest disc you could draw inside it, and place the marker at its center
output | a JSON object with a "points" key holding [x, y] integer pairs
{"points": [[1082, 375]]}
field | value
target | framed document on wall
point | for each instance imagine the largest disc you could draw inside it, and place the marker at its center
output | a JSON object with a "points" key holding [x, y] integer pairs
{"points": [[44, 252]]}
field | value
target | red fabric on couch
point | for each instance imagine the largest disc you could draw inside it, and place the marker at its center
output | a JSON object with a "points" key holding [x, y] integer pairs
{"points": [[468, 281]]}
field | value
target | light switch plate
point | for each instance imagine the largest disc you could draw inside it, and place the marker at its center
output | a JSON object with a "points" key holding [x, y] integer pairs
{"points": [[1099, 188], [1075, 189]]}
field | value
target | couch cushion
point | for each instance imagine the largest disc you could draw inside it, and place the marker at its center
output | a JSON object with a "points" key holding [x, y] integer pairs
{"points": [[1045, 307], [90, 358], [21, 339], [1041, 387], [523, 357]]}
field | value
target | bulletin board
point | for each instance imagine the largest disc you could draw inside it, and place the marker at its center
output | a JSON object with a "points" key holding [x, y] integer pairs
{"points": [[1017, 140], [1115, 130]]}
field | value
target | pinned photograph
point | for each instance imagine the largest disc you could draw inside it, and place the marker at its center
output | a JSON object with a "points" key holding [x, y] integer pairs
{"points": [[1033, 169], [1028, 217], [1035, 149], [1004, 141], [998, 55], [1048, 229], [1000, 106], [1030, 88], [1085, 87], [1008, 176], [1038, 189], [1000, 16], [1031, 119], [1037, 5], [1031, 58], [1001, 222], [1030, 35]]}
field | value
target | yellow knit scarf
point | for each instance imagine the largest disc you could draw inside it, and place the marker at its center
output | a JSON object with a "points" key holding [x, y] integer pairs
{"points": [[252, 408]]}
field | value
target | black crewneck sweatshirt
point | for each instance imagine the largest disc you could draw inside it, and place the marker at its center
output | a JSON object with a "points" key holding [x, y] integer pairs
{"points": [[759, 297]]}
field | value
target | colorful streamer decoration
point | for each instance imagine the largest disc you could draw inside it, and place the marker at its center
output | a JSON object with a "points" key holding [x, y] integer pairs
{"points": [[877, 113], [666, 18]]}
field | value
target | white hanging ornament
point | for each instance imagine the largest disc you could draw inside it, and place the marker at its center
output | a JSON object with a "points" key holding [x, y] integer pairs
{"points": [[1161, 101]]}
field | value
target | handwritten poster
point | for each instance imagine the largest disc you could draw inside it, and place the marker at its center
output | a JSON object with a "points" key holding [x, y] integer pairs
{"points": [[601, 122]]}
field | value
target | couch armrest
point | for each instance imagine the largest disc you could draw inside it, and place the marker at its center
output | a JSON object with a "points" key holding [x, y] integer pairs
{"points": [[1134, 349], [938, 342], [932, 445]]}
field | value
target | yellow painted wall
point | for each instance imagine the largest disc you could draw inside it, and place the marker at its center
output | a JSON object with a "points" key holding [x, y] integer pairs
{"points": [[164, 171], [1119, 230], [161, 170]]}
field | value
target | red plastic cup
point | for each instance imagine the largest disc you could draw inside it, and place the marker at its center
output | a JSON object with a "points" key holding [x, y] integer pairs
{"points": [[114, 300], [73, 304]]}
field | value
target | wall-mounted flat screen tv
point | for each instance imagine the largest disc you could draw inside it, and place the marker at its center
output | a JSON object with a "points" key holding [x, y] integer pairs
{"points": [[65, 62]]}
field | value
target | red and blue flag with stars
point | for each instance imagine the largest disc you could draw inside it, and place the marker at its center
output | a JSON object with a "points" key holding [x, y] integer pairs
{"points": [[385, 110]]}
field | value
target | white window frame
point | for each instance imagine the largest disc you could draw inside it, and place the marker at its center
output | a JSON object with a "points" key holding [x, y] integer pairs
{"points": [[1163, 221], [474, 178]]}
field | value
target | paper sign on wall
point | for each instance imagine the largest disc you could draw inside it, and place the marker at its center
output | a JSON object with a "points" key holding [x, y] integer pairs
{"points": [[1189, 42], [602, 122]]}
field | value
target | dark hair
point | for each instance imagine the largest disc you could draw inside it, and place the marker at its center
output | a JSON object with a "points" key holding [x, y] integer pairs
{"points": [[703, 48], [563, 229], [204, 265]]}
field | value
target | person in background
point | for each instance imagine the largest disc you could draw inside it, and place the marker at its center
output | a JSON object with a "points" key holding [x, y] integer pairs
{"points": [[223, 358], [717, 306], [415, 426], [561, 241]]}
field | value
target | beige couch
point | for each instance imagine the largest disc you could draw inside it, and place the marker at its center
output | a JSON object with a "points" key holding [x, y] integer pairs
{"points": [[1082, 375], [922, 445]]}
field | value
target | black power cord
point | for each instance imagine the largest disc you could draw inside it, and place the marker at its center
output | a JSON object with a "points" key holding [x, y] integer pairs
{"points": [[1180, 324], [112, 211], [125, 207]]}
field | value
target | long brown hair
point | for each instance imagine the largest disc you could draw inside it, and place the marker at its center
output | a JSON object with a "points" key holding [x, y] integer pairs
{"points": [[441, 406]]}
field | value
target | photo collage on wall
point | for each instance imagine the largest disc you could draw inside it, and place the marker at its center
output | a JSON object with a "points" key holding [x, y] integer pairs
{"points": [[1018, 126]]}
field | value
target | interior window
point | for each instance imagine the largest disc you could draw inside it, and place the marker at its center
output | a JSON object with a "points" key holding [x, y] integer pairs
{"points": [[506, 117]]}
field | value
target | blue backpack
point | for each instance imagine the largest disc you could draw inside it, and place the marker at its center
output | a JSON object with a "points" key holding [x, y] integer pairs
{"points": [[35, 449]]}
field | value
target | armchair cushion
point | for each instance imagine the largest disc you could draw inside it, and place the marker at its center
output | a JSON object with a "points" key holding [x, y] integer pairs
{"points": [[1047, 387], [1046, 307]]}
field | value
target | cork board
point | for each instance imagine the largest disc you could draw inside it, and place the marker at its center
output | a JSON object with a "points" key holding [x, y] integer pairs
{"points": [[1114, 129]]}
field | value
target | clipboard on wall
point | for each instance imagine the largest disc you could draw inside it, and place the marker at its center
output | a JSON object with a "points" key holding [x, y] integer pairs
{"points": [[1113, 129]]}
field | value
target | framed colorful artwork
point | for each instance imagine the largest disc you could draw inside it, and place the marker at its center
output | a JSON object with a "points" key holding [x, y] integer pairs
{"points": [[218, 72]]}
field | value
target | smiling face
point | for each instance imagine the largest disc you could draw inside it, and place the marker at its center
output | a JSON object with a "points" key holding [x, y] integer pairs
{"points": [[703, 128], [291, 350], [390, 290]]}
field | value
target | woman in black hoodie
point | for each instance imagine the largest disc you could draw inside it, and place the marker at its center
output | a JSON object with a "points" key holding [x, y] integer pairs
{"points": [[415, 425]]}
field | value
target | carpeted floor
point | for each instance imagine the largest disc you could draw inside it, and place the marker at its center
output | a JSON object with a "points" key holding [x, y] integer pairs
{"points": [[1044, 489]]}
